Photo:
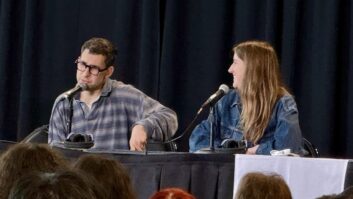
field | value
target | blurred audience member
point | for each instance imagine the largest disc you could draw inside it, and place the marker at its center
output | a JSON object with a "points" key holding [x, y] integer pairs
{"points": [[23, 158], [346, 194], [109, 173], [260, 186], [172, 193], [61, 184]]}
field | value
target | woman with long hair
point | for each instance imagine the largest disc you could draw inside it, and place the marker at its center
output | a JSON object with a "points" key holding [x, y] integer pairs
{"points": [[259, 109]]}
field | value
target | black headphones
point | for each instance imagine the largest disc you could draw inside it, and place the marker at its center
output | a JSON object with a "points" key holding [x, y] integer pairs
{"points": [[232, 146], [78, 140], [229, 143]]}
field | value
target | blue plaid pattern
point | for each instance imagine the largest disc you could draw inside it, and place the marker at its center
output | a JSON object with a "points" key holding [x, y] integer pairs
{"points": [[112, 117]]}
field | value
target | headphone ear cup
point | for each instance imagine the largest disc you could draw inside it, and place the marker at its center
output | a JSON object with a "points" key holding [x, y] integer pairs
{"points": [[71, 138], [231, 146], [229, 143], [224, 143], [87, 138], [78, 138]]}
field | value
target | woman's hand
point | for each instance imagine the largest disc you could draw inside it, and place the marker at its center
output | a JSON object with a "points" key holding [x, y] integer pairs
{"points": [[252, 150]]}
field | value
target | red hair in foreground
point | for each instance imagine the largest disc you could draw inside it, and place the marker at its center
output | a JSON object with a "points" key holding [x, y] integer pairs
{"points": [[172, 193]]}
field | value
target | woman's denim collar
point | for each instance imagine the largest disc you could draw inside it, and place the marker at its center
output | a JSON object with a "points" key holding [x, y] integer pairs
{"points": [[237, 100]]}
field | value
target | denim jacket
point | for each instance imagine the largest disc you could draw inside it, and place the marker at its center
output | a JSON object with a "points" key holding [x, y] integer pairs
{"points": [[282, 132]]}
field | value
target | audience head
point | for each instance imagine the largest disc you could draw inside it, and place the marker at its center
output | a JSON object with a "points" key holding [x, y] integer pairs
{"points": [[333, 196], [60, 184], [346, 194], [172, 193], [108, 172], [260, 186], [22, 158]]}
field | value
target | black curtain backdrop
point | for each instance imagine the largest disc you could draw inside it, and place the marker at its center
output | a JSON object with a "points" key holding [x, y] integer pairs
{"points": [[178, 51]]}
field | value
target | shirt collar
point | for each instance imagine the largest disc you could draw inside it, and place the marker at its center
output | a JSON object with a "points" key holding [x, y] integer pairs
{"points": [[236, 100], [107, 88]]}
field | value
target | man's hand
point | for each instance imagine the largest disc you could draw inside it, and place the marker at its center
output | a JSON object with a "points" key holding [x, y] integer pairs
{"points": [[252, 150], [138, 138]]}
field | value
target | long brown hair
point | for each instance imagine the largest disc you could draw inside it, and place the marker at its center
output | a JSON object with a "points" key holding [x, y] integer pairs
{"points": [[257, 185], [54, 185], [23, 158], [110, 173], [261, 87]]}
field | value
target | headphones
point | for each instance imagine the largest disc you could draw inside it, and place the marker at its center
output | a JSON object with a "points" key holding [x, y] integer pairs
{"points": [[79, 140], [229, 143], [232, 146]]}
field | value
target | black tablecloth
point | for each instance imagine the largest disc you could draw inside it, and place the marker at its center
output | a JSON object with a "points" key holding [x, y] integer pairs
{"points": [[207, 176]]}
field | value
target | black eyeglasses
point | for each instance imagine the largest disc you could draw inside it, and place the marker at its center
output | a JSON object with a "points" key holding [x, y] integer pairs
{"points": [[92, 69]]}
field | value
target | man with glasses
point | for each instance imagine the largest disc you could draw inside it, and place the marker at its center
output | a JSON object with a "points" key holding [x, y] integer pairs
{"points": [[116, 115]]}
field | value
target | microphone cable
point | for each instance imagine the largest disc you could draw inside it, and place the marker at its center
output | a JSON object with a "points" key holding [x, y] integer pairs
{"points": [[187, 129], [223, 90]]}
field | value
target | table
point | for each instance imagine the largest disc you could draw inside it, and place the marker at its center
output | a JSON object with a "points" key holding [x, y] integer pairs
{"points": [[307, 178], [207, 176]]}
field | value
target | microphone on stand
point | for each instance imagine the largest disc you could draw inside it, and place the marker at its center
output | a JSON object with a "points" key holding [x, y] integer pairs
{"points": [[222, 90], [76, 89], [68, 95]]}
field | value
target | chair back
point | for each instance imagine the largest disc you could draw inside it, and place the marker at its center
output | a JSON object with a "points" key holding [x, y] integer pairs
{"points": [[38, 135], [310, 149]]}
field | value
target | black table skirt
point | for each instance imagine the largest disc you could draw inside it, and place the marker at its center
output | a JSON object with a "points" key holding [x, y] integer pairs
{"points": [[207, 176]]}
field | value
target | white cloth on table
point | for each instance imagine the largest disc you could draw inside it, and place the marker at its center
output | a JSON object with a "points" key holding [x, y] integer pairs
{"points": [[306, 177]]}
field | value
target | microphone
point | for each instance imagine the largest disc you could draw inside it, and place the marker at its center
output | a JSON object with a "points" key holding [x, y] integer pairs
{"points": [[73, 91], [222, 90]]}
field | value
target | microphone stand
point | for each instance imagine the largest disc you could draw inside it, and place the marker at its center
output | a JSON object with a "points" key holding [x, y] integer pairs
{"points": [[223, 89], [211, 148], [191, 126], [71, 111], [173, 145]]}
